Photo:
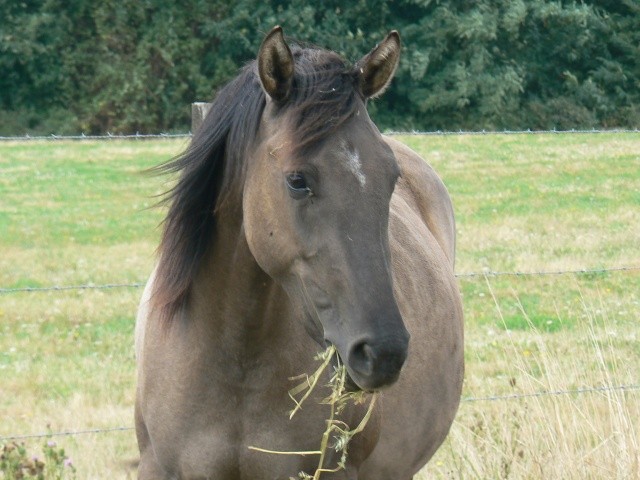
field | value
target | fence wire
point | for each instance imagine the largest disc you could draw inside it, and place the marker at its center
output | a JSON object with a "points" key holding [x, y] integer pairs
{"points": [[143, 136], [511, 132], [581, 271], [70, 433], [59, 288], [515, 396], [483, 274], [553, 393], [108, 136]]}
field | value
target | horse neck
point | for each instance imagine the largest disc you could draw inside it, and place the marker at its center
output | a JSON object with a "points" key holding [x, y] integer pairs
{"points": [[233, 301]]}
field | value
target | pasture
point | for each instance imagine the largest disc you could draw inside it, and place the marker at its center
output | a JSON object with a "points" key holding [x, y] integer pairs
{"points": [[78, 213]]}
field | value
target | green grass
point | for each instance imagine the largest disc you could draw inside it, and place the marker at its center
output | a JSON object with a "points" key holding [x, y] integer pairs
{"points": [[78, 193], [78, 212]]}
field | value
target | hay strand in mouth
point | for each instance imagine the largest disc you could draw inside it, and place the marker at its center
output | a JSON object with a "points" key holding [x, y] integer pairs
{"points": [[338, 400], [279, 452], [310, 382]]}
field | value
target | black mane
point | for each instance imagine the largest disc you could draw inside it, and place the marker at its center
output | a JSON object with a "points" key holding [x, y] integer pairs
{"points": [[324, 95]]}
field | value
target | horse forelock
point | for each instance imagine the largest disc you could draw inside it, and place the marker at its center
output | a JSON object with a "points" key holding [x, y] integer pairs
{"points": [[323, 97], [212, 168]]}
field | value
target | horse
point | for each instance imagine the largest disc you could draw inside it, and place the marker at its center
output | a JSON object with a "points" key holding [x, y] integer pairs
{"points": [[294, 225]]}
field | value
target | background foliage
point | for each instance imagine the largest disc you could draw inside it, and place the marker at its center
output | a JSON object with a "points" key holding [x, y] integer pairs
{"points": [[126, 66]]}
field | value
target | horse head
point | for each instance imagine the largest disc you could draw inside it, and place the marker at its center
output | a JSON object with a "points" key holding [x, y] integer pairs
{"points": [[316, 201]]}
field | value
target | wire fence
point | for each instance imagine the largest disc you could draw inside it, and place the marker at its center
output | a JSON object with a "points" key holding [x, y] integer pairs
{"points": [[492, 398], [581, 271], [59, 288], [107, 136], [146, 136], [510, 132], [483, 274], [608, 389], [516, 396], [70, 433]]}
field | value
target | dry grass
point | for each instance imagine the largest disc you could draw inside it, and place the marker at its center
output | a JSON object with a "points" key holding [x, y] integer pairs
{"points": [[589, 435], [337, 434]]}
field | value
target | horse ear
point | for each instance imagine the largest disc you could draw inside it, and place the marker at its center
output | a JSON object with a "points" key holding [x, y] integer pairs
{"points": [[376, 69], [275, 65]]}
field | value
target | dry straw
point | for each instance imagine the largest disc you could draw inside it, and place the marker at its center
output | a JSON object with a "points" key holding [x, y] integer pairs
{"points": [[338, 400]]}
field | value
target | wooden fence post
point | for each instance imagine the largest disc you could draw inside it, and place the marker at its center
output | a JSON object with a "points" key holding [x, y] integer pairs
{"points": [[199, 110]]}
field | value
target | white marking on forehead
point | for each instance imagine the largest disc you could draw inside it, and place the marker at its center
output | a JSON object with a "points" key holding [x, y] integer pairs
{"points": [[354, 164]]}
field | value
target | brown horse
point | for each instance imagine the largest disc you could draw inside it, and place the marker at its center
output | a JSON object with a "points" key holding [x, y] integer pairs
{"points": [[294, 224]]}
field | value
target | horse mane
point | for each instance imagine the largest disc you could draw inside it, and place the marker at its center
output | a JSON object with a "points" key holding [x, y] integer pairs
{"points": [[212, 168]]}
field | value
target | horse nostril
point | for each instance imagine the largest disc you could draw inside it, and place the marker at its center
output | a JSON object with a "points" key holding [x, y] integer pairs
{"points": [[374, 365], [362, 359]]}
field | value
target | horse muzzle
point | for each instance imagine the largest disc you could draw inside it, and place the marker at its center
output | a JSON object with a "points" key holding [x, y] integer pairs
{"points": [[373, 365]]}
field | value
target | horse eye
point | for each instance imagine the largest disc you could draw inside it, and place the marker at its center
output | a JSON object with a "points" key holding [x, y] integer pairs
{"points": [[297, 184]]}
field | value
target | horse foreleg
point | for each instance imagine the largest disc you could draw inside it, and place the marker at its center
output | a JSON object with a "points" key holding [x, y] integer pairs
{"points": [[148, 468]]}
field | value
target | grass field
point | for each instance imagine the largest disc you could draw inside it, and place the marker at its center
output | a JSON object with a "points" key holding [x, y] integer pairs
{"points": [[76, 213]]}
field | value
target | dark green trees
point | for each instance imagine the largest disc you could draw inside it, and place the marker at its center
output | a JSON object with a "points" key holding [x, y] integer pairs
{"points": [[127, 66]]}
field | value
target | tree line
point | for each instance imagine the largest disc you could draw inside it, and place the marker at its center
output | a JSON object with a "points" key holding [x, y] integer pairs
{"points": [[69, 66]]}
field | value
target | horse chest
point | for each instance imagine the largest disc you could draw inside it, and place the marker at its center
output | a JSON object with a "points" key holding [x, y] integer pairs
{"points": [[211, 436], [220, 448]]}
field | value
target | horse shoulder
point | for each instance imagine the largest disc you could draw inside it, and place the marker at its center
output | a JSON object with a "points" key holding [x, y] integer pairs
{"points": [[141, 318], [418, 410], [422, 189]]}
